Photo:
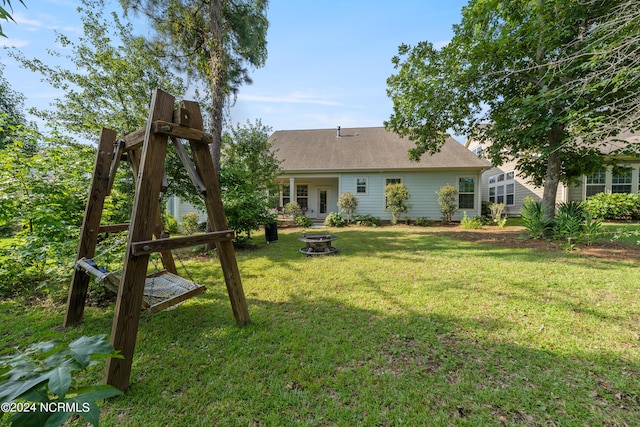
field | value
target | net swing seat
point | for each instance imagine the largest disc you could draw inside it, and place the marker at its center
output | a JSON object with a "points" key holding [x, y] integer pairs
{"points": [[162, 289]]}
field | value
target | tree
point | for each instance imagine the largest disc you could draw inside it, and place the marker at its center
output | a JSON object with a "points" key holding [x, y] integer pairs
{"points": [[448, 201], [111, 79], [11, 106], [4, 13], [348, 203], [502, 67], [247, 176], [213, 41], [397, 196]]}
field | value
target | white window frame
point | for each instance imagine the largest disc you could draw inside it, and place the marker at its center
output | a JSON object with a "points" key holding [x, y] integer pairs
{"points": [[474, 193], [384, 189], [366, 185], [500, 184]]}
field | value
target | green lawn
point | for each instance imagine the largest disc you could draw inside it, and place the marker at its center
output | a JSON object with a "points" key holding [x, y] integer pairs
{"points": [[403, 327]]}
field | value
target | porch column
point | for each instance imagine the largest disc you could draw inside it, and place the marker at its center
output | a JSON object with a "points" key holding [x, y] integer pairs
{"points": [[292, 189]]}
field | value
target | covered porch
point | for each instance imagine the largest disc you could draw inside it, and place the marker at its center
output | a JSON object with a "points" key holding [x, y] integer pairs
{"points": [[316, 195]]}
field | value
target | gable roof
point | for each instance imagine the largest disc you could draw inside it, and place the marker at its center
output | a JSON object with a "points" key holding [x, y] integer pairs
{"points": [[372, 148]]}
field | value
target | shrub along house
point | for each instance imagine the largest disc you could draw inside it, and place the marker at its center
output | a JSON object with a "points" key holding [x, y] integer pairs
{"points": [[319, 165], [503, 184]]}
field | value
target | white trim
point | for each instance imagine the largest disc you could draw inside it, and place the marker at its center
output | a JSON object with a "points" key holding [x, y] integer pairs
{"points": [[366, 185]]}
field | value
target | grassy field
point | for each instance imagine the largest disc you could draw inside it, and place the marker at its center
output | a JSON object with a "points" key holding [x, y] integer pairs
{"points": [[405, 326]]}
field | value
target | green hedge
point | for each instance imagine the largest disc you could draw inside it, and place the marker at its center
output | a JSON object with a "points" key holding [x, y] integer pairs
{"points": [[618, 206]]}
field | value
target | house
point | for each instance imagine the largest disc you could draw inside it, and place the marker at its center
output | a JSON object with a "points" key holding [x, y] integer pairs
{"points": [[503, 184], [319, 165]]}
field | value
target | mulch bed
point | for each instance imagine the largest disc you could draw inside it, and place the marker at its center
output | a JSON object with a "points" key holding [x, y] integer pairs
{"points": [[515, 237]]}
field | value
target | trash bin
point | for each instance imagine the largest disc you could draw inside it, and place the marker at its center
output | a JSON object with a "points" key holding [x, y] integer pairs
{"points": [[271, 232]]}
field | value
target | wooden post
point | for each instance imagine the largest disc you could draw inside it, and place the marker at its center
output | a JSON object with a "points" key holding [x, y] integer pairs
{"points": [[102, 181], [145, 211], [215, 211]]}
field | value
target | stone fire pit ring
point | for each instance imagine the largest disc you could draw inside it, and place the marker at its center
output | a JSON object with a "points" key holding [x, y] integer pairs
{"points": [[318, 244]]}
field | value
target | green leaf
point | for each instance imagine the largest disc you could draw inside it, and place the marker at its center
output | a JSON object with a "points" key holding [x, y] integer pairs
{"points": [[84, 347], [60, 381]]}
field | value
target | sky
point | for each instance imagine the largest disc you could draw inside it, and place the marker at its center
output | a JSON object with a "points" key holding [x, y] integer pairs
{"points": [[327, 66]]}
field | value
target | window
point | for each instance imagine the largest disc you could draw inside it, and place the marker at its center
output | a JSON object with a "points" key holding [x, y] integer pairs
{"points": [[478, 151], [361, 186], [502, 188], [286, 195], [302, 197], [393, 181], [621, 182], [596, 182], [466, 193], [510, 194]]}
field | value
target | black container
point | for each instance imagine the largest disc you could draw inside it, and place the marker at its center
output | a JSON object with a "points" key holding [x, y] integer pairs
{"points": [[271, 232]]}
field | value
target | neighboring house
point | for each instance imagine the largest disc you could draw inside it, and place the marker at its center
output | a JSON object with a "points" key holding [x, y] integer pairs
{"points": [[319, 165], [178, 208], [503, 184]]}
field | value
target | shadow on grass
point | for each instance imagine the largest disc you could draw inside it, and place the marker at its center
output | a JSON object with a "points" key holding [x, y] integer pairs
{"points": [[321, 361]]}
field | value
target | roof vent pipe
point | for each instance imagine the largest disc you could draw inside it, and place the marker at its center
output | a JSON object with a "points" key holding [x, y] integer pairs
{"points": [[338, 132]]}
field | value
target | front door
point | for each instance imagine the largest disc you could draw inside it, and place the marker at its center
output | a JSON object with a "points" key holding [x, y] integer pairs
{"points": [[323, 202]]}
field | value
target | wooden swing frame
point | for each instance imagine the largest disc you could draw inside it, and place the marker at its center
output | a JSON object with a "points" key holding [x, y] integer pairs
{"points": [[146, 152]]}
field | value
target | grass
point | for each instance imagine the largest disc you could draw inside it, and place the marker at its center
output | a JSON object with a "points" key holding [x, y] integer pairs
{"points": [[403, 327]]}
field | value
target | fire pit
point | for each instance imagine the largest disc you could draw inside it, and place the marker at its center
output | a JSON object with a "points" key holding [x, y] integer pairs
{"points": [[318, 244]]}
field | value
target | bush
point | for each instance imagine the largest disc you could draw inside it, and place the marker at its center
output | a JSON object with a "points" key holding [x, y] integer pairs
{"points": [[293, 209], [496, 213], [302, 221], [574, 224], [366, 220], [190, 223], [397, 196], [423, 222], [334, 220], [170, 224], [31, 377], [533, 216], [473, 223], [348, 203], [617, 206], [448, 201]]}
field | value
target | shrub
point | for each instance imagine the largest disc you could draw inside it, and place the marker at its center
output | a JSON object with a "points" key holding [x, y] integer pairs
{"points": [[348, 203], [616, 206], [472, 223], [397, 196], [302, 221], [366, 220], [334, 220], [293, 209], [170, 224], [496, 213], [533, 216], [448, 201], [43, 370], [423, 222], [190, 223]]}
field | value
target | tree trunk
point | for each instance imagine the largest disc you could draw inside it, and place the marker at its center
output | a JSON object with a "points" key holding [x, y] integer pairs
{"points": [[217, 86], [217, 79], [552, 174]]}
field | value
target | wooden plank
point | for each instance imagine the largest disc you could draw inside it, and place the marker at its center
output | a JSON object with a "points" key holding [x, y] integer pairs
{"points": [[158, 231], [183, 132], [215, 211], [118, 147], [90, 226], [113, 228], [157, 245], [133, 140], [189, 166], [145, 211]]}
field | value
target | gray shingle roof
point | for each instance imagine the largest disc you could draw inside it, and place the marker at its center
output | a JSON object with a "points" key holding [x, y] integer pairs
{"points": [[370, 148]]}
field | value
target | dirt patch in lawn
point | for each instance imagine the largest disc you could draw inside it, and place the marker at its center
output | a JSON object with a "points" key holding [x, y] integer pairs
{"points": [[515, 237]]}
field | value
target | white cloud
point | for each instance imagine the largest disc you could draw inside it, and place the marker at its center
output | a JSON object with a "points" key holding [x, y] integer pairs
{"points": [[11, 42], [292, 98], [440, 44]]}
